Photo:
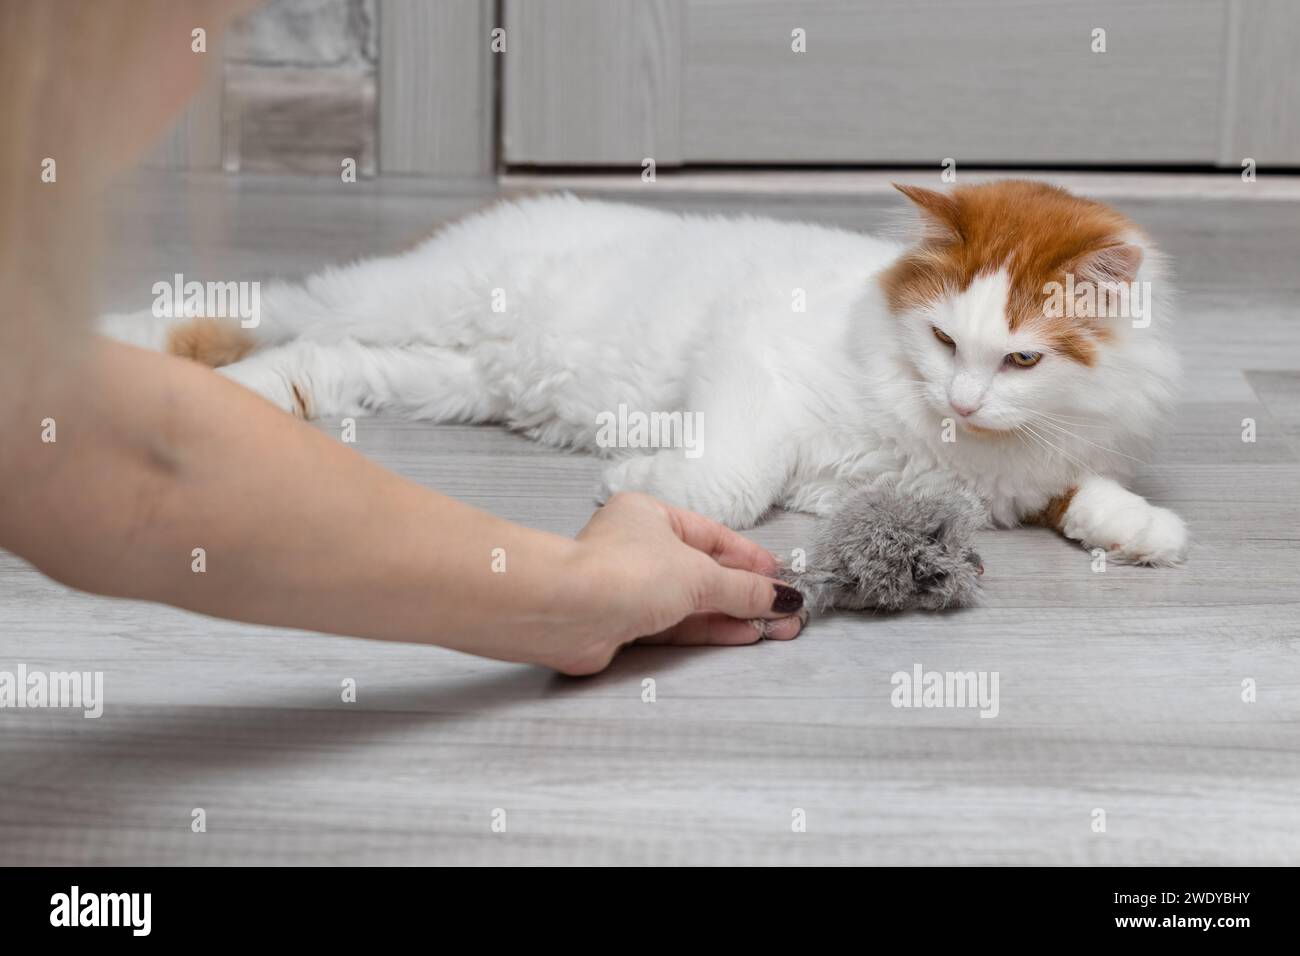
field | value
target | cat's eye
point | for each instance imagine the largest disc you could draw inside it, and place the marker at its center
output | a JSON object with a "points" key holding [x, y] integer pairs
{"points": [[1025, 359], [941, 337]]}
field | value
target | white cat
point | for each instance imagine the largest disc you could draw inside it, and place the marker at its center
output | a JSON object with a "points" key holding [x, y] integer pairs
{"points": [[812, 358]]}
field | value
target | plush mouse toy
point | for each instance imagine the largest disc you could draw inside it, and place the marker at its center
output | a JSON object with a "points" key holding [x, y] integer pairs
{"points": [[885, 550]]}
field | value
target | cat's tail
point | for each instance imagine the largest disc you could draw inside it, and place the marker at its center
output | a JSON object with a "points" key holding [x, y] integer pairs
{"points": [[219, 332], [230, 320], [212, 341]]}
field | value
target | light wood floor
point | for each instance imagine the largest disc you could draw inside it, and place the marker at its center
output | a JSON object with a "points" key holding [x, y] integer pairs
{"points": [[1120, 691]]}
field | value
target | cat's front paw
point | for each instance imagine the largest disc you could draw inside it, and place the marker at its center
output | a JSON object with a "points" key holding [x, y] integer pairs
{"points": [[1103, 514], [1161, 541], [275, 387], [625, 475], [1141, 533], [685, 483]]}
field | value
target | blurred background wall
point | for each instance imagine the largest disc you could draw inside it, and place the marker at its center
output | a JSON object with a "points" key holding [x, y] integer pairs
{"points": [[299, 87], [467, 88]]}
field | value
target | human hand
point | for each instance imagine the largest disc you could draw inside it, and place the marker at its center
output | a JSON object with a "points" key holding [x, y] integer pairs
{"points": [[657, 574]]}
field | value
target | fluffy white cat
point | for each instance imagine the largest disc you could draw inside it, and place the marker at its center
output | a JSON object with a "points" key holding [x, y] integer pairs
{"points": [[812, 358]]}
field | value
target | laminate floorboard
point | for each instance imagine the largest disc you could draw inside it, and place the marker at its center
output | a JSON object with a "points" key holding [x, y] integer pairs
{"points": [[1119, 691]]}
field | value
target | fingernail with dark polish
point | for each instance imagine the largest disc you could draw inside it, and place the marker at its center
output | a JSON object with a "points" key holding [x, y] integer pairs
{"points": [[787, 599]]}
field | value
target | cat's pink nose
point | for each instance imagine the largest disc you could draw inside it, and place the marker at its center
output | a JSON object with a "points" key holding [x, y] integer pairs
{"points": [[965, 411]]}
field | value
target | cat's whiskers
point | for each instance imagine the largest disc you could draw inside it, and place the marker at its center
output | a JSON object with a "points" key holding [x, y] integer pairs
{"points": [[899, 381], [1065, 432], [1062, 419], [1021, 436], [1058, 449], [1021, 431]]}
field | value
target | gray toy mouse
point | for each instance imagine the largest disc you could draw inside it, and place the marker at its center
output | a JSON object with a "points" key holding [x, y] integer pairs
{"points": [[889, 551]]}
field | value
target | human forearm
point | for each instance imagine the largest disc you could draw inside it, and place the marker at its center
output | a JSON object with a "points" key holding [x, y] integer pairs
{"points": [[161, 457], [155, 458]]}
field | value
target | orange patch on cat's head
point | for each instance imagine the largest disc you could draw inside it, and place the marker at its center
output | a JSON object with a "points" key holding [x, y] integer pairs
{"points": [[1038, 233]]}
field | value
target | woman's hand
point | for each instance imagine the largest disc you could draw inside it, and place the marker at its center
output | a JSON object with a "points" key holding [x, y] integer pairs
{"points": [[653, 573]]}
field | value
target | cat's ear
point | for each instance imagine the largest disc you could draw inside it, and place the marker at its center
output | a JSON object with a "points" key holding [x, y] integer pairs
{"points": [[1110, 265], [940, 213]]}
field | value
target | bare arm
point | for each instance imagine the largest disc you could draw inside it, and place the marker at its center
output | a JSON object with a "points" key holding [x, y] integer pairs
{"points": [[155, 456]]}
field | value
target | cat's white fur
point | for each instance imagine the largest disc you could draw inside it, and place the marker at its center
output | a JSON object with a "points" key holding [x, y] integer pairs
{"points": [[603, 305]]}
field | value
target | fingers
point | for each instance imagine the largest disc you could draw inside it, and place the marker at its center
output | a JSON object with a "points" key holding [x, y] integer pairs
{"points": [[719, 542], [785, 628], [718, 629], [745, 595]]}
